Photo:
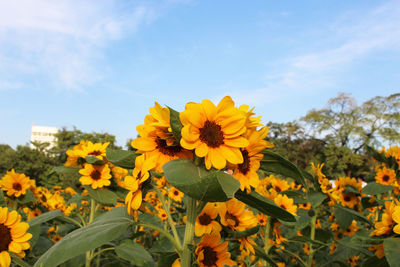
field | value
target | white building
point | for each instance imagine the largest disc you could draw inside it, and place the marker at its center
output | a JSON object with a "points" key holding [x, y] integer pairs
{"points": [[43, 134]]}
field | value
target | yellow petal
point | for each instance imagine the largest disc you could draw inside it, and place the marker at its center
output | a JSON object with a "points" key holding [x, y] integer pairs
{"points": [[202, 150]]}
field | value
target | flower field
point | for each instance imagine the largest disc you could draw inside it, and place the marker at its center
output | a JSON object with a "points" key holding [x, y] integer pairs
{"points": [[201, 187]]}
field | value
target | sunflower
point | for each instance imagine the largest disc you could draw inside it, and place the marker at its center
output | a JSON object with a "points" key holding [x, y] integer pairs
{"points": [[15, 184], [210, 252], [286, 203], [133, 183], [379, 251], [279, 185], [214, 132], [76, 155], [234, 215], [352, 229], [385, 176], [95, 175], [393, 151], [384, 226], [347, 199], [156, 138], [13, 236], [205, 221], [175, 194], [246, 172], [396, 218]]}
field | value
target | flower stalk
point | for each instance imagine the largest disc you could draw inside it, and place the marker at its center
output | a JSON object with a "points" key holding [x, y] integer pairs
{"points": [[312, 237], [189, 232]]}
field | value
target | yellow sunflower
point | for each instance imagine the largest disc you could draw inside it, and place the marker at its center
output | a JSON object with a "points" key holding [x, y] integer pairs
{"points": [[95, 175], [214, 132], [396, 219], [205, 221], [175, 194], [75, 154], [16, 184], [246, 172], [384, 226], [156, 139], [352, 229], [210, 252], [133, 183], [385, 176], [393, 151], [234, 215], [13, 236], [286, 203]]}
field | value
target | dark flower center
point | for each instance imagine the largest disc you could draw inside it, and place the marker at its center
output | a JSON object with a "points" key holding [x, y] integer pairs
{"points": [[245, 166], [166, 149], [204, 219], [95, 153], [347, 198], [385, 178], [96, 175], [210, 257], [176, 192], [211, 134], [277, 189], [229, 216], [17, 186], [5, 237]]}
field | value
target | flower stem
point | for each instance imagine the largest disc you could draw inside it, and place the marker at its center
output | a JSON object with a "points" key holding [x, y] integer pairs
{"points": [[91, 217], [312, 237], [189, 232], [169, 218]]}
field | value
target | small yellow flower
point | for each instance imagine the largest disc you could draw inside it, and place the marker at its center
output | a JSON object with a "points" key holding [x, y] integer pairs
{"points": [[210, 252], [205, 221], [95, 175], [16, 184]]}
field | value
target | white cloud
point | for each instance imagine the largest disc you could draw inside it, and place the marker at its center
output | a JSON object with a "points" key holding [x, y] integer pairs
{"points": [[353, 39], [62, 41]]}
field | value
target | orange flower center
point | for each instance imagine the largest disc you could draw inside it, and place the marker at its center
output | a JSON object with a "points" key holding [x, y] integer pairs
{"points": [[210, 257], [17, 186], [385, 178], [232, 217], [166, 149], [204, 219], [211, 134], [5, 237], [95, 153], [96, 175], [245, 166]]}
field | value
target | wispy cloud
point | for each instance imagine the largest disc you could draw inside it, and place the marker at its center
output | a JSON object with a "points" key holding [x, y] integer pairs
{"points": [[62, 41], [353, 39]]}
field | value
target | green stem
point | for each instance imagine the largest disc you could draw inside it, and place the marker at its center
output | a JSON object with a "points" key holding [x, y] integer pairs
{"points": [[189, 232], [165, 233], [101, 251], [169, 217], [296, 256], [267, 235], [312, 237], [91, 217], [72, 221]]}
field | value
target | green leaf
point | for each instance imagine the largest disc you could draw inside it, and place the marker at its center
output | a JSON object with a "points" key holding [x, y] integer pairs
{"points": [[166, 259], [176, 124], [65, 170], [102, 195], [94, 160], [261, 254], [357, 216], [343, 218], [374, 261], [45, 217], [134, 253], [3, 202], [381, 157], [365, 203], [275, 163], [35, 231], [102, 230], [375, 189], [391, 246], [198, 183], [27, 198], [245, 233], [265, 206], [351, 189], [121, 158], [316, 198], [19, 261]]}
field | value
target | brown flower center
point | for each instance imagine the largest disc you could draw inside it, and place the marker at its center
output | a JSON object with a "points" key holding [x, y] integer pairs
{"points": [[17, 186], [347, 198], [229, 216], [277, 189], [96, 175], [210, 257], [95, 153], [204, 219], [385, 178], [166, 149], [176, 192], [211, 134], [5, 237], [245, 166]]}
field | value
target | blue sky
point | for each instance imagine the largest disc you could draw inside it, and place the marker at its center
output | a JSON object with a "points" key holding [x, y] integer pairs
{"points": [[99, 65]]}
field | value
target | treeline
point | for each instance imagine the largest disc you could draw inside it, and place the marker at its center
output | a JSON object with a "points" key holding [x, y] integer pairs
{"points": [[335, 135]]}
